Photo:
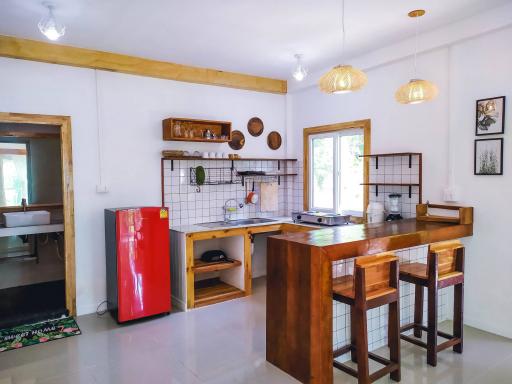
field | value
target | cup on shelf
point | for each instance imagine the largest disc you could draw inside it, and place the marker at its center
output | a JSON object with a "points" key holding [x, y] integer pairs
{"points": [[224, 155], [206, 155], [211, 155], [218, 155]]}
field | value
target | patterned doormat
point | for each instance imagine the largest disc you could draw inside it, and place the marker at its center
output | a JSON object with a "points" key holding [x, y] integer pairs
{"points": [[42, 332]]}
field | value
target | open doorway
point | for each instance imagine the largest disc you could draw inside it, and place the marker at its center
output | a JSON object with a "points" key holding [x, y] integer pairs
{"points": [[37, 251]]}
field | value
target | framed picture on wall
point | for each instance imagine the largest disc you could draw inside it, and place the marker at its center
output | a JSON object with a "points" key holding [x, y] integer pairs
{"points": [[490, 116], [489, 157]]}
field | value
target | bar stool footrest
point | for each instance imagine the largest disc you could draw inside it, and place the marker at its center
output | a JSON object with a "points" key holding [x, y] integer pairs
{"points": [[389, 366]]}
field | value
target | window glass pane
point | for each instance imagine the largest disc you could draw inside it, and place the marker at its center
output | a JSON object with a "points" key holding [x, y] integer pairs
{"points": [[351, 175], [13, 173], [323, 173]]}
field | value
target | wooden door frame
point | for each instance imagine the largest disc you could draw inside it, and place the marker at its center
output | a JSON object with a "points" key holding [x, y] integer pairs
{"points": [[64, 123], [366, 125]]}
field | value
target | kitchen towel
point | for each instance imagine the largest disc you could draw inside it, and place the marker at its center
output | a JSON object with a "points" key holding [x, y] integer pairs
{"points": [[268, 197]]}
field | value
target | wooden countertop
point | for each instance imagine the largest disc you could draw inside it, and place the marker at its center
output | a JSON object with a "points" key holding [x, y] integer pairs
{"points": [[365, 239]]}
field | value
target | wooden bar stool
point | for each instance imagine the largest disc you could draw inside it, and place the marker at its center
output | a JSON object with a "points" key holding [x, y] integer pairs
{"points": [[444, 268], [374, 284]]}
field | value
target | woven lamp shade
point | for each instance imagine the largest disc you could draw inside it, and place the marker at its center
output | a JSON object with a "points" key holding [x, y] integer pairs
{"points": [[416, 91], [343, 79]]}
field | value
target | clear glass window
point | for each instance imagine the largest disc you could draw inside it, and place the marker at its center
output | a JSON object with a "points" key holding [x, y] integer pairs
{"points": [[337, 171]]}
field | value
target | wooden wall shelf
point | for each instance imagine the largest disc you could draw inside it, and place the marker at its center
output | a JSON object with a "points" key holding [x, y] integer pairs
{"points": [[419, 185], [397, 154], [376, 185], [181, 129]]}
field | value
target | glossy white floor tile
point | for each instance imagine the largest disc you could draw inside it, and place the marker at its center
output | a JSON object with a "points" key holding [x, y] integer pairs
{"points": [[220, 344]]}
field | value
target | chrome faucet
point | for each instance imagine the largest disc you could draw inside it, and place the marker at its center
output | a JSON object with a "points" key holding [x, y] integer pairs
{"points": [[229, 210], [24, 204]]}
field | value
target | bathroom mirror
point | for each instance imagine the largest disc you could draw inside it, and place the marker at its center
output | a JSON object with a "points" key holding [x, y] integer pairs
{"points": [[30, 164]]}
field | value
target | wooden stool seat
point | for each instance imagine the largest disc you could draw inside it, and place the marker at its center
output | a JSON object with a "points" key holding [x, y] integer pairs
{"points": [[374, 283], [343, 288], [411, 272], [444, 268]]}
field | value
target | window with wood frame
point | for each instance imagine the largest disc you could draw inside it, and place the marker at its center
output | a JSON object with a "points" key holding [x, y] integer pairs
{"points": [[334, 169]]}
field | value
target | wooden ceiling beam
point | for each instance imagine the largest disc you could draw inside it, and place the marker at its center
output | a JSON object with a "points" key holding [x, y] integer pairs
{"points": [[17, 48]]}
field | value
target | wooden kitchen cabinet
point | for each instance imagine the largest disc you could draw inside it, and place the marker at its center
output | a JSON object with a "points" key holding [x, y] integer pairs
{"points": [[196, 283]]}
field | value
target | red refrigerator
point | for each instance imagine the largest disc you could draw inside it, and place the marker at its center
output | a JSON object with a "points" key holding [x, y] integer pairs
{"points": [[138, 262]]}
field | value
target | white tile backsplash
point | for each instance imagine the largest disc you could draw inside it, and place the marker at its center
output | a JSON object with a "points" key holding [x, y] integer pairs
{"points": [[187, 206]]}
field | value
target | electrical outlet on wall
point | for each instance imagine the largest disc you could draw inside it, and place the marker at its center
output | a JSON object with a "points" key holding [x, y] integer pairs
{"points": [[101, 188]]}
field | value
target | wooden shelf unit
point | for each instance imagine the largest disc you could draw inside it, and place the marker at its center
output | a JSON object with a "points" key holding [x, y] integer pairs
{"points": [[213, 291], [204, 267], [195, 130], [410, 185]]}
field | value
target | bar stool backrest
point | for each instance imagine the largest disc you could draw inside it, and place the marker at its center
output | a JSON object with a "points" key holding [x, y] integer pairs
{"points": [[446, 254], [377, 271]]}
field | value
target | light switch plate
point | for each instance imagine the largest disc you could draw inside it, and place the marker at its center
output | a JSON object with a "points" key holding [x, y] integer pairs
{"points": [[101, 188]]}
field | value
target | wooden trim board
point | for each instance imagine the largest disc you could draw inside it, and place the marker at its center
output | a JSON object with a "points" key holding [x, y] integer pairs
{"points": [[64, 122], [25, 49], [366, 125]]}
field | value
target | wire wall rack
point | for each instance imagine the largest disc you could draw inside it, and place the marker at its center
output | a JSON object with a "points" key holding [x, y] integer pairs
{"points": [[216, 176]]}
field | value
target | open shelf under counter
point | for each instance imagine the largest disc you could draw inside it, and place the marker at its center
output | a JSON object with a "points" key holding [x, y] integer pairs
{"points": [[213, 291], [205, 267]]}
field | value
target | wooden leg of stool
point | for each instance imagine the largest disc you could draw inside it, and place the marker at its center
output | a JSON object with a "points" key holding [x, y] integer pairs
{"points": [[432, 326], [394, 338], [418, 309], [353, 333], [458, 311], [363, 369]]}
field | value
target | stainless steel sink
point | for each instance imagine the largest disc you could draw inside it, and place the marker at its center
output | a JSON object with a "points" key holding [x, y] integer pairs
{"points": [[236, 223]]}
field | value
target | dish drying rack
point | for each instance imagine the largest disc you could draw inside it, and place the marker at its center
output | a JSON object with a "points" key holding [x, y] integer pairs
{"points": [[216, 176], [220, 176]]}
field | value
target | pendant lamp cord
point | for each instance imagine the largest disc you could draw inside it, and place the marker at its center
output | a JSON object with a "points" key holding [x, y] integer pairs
{"points": [[416, 47], [342, 30]]}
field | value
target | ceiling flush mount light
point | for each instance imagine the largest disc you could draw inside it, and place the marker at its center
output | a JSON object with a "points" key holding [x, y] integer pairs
{"points": [[343, 78], [299, 72], [416, 90], [49, 26]]}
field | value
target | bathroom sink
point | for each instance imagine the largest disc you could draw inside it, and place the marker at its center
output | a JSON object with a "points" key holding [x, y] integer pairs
{"points": [[24, 219], [235, 223]]}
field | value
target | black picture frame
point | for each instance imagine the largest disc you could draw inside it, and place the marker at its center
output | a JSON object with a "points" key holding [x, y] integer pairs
{"points": [[477, 133], [477, 172]]}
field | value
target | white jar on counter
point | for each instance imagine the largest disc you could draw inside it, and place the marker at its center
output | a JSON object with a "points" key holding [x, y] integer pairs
{"points": [[375, 213]]}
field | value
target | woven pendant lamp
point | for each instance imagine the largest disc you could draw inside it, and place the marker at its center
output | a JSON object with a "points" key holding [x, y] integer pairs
{"points": [[416, 91], [342, 78]]}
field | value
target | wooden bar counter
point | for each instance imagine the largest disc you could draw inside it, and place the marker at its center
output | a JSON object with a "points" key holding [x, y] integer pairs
{"points": [[299, 284]]}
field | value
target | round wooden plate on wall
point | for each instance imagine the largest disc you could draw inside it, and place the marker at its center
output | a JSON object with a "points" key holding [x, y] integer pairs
{"points": [[237, 140], [255, 126], [274, 140]]}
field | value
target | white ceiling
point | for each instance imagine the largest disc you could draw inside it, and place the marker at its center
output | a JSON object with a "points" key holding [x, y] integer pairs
{"points": [[251, 36]]}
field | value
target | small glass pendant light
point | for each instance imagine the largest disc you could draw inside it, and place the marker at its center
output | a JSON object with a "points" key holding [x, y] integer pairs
{"points": [[299, 72], [416, 91], [343, 78], [49, 26]]}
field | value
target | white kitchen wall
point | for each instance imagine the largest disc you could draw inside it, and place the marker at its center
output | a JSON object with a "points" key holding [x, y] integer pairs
{"points": [[131, 109], [481, 68], [443, 130]]}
